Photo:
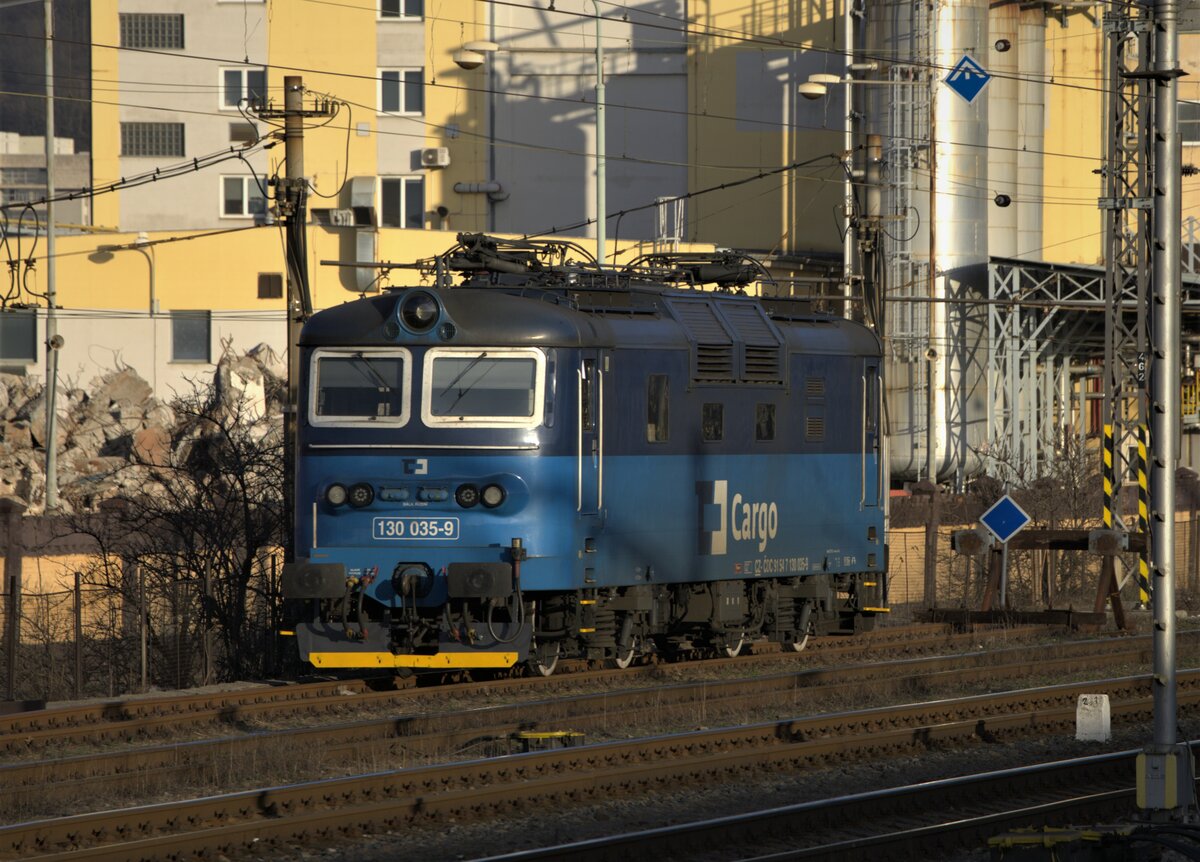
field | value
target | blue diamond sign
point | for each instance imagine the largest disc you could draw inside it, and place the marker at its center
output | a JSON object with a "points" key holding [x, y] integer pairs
{"points": [[968, 78], [1005, 518]]}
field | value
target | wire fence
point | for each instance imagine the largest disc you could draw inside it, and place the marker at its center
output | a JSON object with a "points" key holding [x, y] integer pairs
{"points": [[144, 632]]}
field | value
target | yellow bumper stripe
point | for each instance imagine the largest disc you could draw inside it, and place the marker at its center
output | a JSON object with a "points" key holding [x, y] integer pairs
{"points": [[877, 610], [387, 659]]}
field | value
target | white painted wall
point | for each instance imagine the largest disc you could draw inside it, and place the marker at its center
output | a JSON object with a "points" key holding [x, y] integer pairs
{"points": [[544, 113], [97, 341], [168, 88]]}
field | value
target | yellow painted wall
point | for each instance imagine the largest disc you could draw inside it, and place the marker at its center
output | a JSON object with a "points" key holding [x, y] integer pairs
{"points": [[106, 126], [792, 211], [1072, 223], [198, 270], [332, 48], [457, 98]]}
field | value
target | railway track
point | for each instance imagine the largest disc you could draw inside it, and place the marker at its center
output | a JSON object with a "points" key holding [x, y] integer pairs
{"points": [[918, 821], [142, 718], [419, 739], [334, 809]]}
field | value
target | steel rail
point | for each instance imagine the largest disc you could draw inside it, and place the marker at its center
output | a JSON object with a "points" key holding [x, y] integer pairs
{"points": [[481, 788], [1092, 784], [423, 737], [130, 719], [1034, 658]]}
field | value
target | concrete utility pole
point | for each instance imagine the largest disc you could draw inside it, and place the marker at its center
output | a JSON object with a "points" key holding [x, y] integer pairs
{"points": [[291, 194]]}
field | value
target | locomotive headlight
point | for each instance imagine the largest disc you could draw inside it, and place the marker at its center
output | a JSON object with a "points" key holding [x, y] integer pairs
{"points": [[419, 312], [361, 495], [492, 496], [466, 496], [335, 494]]}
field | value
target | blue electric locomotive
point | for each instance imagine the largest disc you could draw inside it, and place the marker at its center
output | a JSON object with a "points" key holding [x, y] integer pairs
{"points": [[550, 459]]}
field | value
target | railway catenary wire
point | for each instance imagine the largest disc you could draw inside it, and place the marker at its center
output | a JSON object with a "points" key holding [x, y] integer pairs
{"points": [[418, 739], [333, 809]]}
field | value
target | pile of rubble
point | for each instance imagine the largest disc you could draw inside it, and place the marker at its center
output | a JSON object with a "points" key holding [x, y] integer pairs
{"points": [[110, 434]]}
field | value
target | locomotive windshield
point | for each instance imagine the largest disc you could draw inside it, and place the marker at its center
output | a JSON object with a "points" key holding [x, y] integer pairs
{"points": [[360, 387], [481, 387]]}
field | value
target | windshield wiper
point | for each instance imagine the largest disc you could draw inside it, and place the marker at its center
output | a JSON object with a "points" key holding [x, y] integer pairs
{"points": [[379, 381], [463, 374]]}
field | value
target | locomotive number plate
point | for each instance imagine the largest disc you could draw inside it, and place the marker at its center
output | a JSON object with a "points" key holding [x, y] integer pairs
{"points": [[418, 529]]}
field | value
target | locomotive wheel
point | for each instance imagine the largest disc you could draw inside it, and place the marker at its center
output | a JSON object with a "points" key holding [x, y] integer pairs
{"points": [[732, 649], [543, 659], [621, 662], [798, 644]]}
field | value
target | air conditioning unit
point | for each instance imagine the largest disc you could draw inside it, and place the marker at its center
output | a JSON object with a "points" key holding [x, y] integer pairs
{"points": [[435, 157]]}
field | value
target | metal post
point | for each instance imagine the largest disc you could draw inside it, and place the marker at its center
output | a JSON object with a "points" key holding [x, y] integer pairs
{"points": [[143, 626], [931, 545], [208, 602], [848, 129], [51, 264], [1165, 786], [601, 144], [78, 635]]}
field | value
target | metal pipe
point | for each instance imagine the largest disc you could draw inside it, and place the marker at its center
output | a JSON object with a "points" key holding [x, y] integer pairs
{"points": [[601, 154], [51, 265]]}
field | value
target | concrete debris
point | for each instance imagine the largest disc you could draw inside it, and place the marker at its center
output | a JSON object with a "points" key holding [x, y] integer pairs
{"points": [[113, 433]]}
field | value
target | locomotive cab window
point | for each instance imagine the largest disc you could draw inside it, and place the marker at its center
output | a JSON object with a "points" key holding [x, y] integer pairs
{"points": [[483, 388], [359, 388], [712, 422], [658, 394], [764, 422]]}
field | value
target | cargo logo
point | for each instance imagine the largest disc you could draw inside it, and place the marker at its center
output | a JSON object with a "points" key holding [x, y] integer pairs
{"points": [[743, 520]]}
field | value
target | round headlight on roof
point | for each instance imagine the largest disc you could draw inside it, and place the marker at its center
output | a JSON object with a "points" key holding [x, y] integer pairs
{"points": [[418, 311], [335, 494], [361, 495]]}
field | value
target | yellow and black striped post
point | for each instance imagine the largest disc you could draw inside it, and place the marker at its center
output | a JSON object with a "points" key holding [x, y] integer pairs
{"points": [[1143, 518], [1107, 474]]}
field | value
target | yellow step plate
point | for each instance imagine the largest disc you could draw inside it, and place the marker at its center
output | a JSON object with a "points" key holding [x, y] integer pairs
{"points": [[438, 661]]}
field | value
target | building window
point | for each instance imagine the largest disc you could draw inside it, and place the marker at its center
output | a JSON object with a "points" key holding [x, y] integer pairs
{"points": [[241, 197], [401, 8], [658, 397], [242, 133], [191, 333], [238, 85], [1189, 123], [401, 91], [18, 335], [23, 177], [270, 285], [764, 422], [151, 30], [403, 202], [152, 139]]}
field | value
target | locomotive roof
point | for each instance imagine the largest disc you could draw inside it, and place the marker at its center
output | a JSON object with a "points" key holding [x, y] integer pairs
{"points": [[554, 293], [514, 316]]}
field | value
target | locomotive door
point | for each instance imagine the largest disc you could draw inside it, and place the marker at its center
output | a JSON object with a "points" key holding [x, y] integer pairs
{"points": [[589, 493], [872, 451]]}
